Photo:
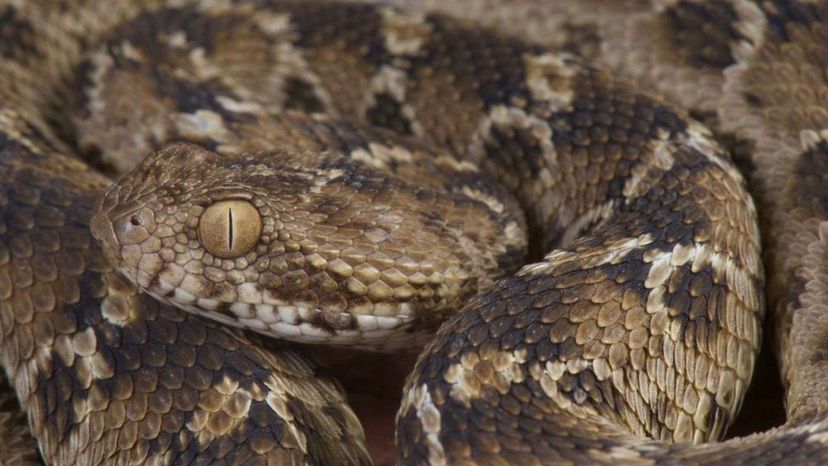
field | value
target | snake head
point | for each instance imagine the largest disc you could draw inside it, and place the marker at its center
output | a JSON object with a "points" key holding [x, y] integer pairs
{"points": [[299, 245]]}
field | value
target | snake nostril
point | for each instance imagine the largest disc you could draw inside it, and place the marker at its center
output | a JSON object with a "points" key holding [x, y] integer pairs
{"points": [[133, 227]]}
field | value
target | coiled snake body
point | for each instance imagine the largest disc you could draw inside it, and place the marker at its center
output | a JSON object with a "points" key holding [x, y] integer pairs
{"points": [[273, 199]]}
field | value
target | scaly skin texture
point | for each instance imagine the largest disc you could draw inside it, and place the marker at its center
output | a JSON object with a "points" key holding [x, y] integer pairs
{"points": [[105, 374], [643, 322], [109, 376]]}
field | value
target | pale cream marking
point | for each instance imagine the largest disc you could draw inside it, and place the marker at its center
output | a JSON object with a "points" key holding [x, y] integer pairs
{"points": [[818, 437], [236, 400], [419, 399], [273, 24], [276, 397], [102, 63], [257, 311], [111, 307], [208, 304], [177, 39], [203, 124], [809, 139], [211, 6], [183, 296], [463, 378], [491, 202], [392, 81], [404, 32], [701, 139], [287, 314], [236, 106], [750, 24], [250, 293], [461, 166], [131, 52], [379, 155], [612, 252], [662, 160], [550, 80], [547, 376], [290, 62], [203, 68], [549, 385], [242, 310], [751, 27], [172, 274], [503, 116], [593, 216], [78, 351], [514, 235], [320, 179], [549, 175], [725, 270], [9, 121]]}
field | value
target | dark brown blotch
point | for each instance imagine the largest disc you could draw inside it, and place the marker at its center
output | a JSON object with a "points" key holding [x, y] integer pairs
{"points": [[784, 14], [387, 112], [301, 96], [583, 40], [808, 184], [701, 33], [351, 27], [17, 36], [490, 65]]}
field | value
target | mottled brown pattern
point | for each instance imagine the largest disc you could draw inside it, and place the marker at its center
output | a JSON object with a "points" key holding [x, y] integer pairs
{"points": [[125, 379], [632, 340], [776, 100]]}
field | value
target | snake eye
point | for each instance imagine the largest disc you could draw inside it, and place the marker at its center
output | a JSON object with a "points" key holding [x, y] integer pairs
{"points": [[228, 229]]}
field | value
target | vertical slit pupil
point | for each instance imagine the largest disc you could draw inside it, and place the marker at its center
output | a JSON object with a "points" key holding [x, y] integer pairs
{"points": [[230, 230]]}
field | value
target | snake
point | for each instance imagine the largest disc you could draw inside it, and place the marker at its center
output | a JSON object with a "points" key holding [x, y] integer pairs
{"points": [[529, 194]]}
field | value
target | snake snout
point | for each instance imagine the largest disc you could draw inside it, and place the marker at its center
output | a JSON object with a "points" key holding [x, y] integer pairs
{"points": [[133, 227], [117, 230]]}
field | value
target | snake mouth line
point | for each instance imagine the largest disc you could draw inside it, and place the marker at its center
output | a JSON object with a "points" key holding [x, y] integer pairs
{"points": [[299, 323]]}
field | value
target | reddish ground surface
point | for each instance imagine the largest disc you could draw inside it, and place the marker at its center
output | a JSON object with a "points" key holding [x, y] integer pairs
{"points": [[374, 384]]}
